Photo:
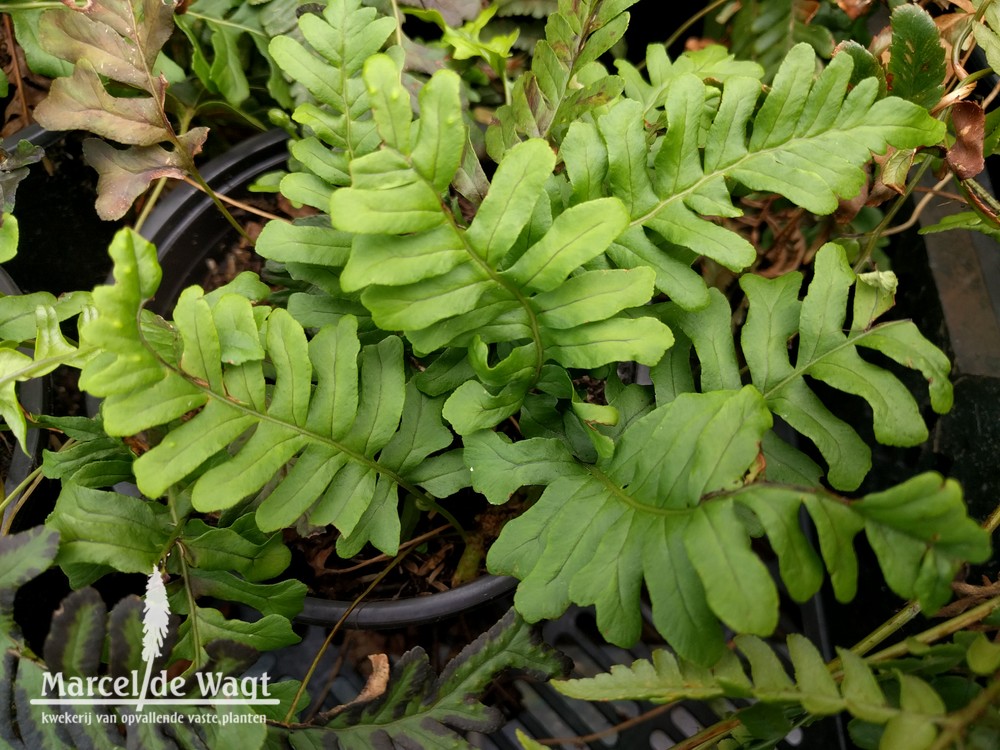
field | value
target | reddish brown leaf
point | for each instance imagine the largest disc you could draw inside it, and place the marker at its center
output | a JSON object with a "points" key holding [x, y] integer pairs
{"points": [[125, 174], [855, 8], [965, 157]]}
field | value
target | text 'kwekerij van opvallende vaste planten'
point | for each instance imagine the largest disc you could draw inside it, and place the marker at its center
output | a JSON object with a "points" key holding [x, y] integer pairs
{"points": [[640, 298]]}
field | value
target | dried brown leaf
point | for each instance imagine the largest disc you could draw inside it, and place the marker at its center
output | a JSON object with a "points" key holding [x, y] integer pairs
{"points": [[376, 686], [855, 8], [965, 157]]}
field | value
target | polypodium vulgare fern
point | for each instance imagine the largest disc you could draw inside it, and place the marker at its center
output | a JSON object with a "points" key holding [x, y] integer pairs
{"points": [[810, 138], [551, 270], [826, 350], [501, 279], [335, 450], [665, 506], [895, 704]]}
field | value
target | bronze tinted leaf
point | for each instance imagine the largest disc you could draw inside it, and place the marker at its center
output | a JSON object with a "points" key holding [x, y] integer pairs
{"points": [[125, 174], [965, 157]]}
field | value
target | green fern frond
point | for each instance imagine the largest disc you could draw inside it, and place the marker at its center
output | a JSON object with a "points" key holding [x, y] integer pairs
{"points": [[504, 278], [665, 504], [809, 140], [827, 350], [765, 31], [425, 711], [565, 80], [907, 711], [328, 425]]}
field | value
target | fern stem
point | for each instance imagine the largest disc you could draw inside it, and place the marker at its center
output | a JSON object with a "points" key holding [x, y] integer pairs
{"points": [[185, 579], [942, 630], [192, 609], [876, 233], [398, 18], [956, 49], [709, 736], [959, 721], [27, 487], [426, 502], [884, 631], [993, 520], [620, 727], [692, 21], [151, 197], [205, 187], [239, 204], [334, 630]]}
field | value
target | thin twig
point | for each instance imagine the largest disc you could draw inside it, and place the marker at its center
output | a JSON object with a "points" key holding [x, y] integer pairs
{"points": [[9, 518], [151, 197], [382, 558], [398, 17], [709, 736], [919, 208], [692, 21], [330, 679], [12, 47], [960, 720], [336, 629], [235, 203], [943, 630], [993, 520], [627, 724], [985, 103]]}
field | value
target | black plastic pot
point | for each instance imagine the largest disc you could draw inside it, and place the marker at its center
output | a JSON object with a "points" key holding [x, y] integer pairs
{"points": [[33, 393], [32, 397], [187, 229]]}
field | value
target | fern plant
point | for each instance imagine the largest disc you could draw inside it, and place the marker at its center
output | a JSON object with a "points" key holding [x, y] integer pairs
{"points": [[504, 310], [465, 316]]}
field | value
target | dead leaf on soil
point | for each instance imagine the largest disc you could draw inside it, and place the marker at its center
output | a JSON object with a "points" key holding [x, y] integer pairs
{"points": [[377, 683]]}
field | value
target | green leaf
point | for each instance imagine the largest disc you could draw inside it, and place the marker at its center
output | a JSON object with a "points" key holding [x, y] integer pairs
{"points": [[266, 634], [711, 62], [95, 461], [564, 83], [221, 548], [798, 119], [916, 57], [624, 505], [737, 585], [25, 555], [920, 533], [76, 636], [827, 353], [319, 445], [767, 30], [504, 279], [283, 599], [8, 237], [26, 25], [126, 533], [666, 679]]}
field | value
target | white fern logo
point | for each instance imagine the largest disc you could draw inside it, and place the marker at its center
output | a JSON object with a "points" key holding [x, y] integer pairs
{"points": [[155, 621]]}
